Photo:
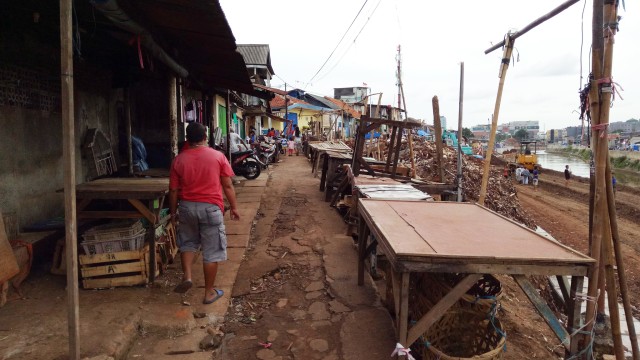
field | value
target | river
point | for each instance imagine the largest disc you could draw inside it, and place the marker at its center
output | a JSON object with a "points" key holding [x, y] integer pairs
{"points": [[557, 162]]}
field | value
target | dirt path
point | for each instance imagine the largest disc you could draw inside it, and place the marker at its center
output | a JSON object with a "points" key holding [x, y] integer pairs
{"points": [[296, 292], [564, 213]]}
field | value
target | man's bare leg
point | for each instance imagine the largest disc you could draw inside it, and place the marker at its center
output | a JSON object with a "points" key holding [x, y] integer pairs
{"points": [[186, 258], [210, 272]]}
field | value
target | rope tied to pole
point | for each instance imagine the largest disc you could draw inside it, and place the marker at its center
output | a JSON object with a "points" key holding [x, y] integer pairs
{"points": [[600, 127], [609, 86]]}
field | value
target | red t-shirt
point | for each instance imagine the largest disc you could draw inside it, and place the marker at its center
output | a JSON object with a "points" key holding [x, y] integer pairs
{"points": [[196, 174]]}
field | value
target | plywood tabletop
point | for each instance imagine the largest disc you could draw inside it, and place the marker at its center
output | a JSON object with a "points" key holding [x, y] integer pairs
{"points": [[124, 187], [460, 231]]}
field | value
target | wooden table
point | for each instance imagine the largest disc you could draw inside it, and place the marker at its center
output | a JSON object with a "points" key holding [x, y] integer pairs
{"points": [[146, 195], [448, 237]]}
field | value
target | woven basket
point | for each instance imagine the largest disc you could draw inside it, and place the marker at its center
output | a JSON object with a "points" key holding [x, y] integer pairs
{"points": [[481, 297], [462, 334]]}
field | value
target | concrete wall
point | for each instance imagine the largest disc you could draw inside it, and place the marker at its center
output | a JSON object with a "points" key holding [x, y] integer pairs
{"points": [[31, 151]]}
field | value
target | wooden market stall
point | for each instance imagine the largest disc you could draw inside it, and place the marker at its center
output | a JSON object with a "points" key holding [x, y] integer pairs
{"points": [[448, 237]]}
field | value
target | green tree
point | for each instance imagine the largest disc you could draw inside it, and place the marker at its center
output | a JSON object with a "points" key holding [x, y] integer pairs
{"points": [[466, 132], [521, 134], [501, 137]]}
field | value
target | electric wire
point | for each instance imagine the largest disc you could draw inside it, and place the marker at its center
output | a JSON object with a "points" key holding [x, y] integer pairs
{"points": [[350, 44], [338, 44]]}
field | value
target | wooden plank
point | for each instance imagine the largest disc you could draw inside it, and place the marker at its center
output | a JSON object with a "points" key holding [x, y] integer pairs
{"points": [[114, 282], [114, 269], [470, 233], [440, 308], [544, 310], [113, 257], [457, 266], [396, 156], [8, 264], [109, 215], [148, 214]]}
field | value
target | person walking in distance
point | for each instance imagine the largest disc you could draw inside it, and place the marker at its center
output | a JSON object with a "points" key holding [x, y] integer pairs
{"points": [[197, 179], [536, 173], [567, 175]]}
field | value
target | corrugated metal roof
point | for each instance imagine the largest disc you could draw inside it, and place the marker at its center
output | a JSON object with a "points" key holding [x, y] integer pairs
{"points": [[256, 54], [197, 33]]}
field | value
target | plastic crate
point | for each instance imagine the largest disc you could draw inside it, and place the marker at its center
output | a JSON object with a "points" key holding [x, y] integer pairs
{"points": [[113, 231], [129, 243]]}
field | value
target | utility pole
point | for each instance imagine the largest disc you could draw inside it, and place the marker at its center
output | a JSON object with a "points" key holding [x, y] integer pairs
{"points": [[459, 172], [286, 111]]}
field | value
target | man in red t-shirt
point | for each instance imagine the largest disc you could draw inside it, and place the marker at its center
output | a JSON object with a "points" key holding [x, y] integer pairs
{"points": [[198, 177]]}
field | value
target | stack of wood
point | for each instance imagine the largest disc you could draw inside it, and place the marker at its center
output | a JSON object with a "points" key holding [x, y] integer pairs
{"points": [[501, 192]]}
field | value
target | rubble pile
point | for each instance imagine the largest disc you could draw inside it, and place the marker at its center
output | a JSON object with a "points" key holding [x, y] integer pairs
{"points": [[501, 192]]}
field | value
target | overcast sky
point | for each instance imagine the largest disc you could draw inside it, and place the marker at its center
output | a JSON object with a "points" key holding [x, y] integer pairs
{"points": [[435, 37]]}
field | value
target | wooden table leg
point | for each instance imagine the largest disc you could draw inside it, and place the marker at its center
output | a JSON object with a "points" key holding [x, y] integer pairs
{"points": [[403, 315], [151, 234], [574, 320], [330, 178], [325, 166], [363, 234]]}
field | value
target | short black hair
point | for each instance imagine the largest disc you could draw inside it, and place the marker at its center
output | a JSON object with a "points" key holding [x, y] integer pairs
{"points": [[196, 132]]}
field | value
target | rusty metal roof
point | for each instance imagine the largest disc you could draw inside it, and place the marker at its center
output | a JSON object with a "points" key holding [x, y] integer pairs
{"points": [[196, 33]]}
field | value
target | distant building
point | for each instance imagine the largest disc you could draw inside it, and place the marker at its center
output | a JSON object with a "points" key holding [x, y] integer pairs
{"points": [[481, 131], [629, 126], [531, 126]]}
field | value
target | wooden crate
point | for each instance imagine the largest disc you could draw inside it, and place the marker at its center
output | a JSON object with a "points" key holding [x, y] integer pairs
{"points": [[125, 268]]}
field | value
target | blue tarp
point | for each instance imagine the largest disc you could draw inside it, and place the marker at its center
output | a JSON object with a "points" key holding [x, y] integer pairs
{"points": [[422, 133], [375, 135]]}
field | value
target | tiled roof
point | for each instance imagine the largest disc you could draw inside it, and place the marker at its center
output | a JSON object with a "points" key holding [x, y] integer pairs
{"points": [[256, 54], [344, 106], [278, 101]]}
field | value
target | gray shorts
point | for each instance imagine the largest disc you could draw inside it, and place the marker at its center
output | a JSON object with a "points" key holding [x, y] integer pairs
{"points": [[202, 226]]}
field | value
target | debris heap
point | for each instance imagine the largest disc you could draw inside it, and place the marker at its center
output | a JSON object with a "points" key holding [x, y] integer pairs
{"points": [[501, 193]]}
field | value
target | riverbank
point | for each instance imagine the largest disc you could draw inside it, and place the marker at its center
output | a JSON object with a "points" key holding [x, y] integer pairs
{"points": [[626, 164]]}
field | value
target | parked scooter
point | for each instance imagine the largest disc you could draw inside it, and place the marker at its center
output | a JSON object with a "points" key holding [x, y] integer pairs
{"points": [[246, 163], [267, 153]]}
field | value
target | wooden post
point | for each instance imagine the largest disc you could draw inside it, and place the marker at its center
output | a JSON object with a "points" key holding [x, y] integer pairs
{"points": [[504, 66], [377, 115], [410, 136], [438, 136], [69, 176], [459, 172], [127, 125], [173, 116]]}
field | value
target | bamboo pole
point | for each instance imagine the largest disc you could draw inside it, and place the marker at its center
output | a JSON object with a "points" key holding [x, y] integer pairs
{"points": [[173, 116], [594, 108], [504, 66], [69, 177], [438, 136], [610, 18], [535, 23], [459, 172], [622, 276]]}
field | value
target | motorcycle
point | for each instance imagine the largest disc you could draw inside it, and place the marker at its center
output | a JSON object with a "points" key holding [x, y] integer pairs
{"points": [[246, 163], [267, 153]]}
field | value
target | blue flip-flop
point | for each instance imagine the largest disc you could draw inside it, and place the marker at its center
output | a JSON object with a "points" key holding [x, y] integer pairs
{"points": [[219, 294]]}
